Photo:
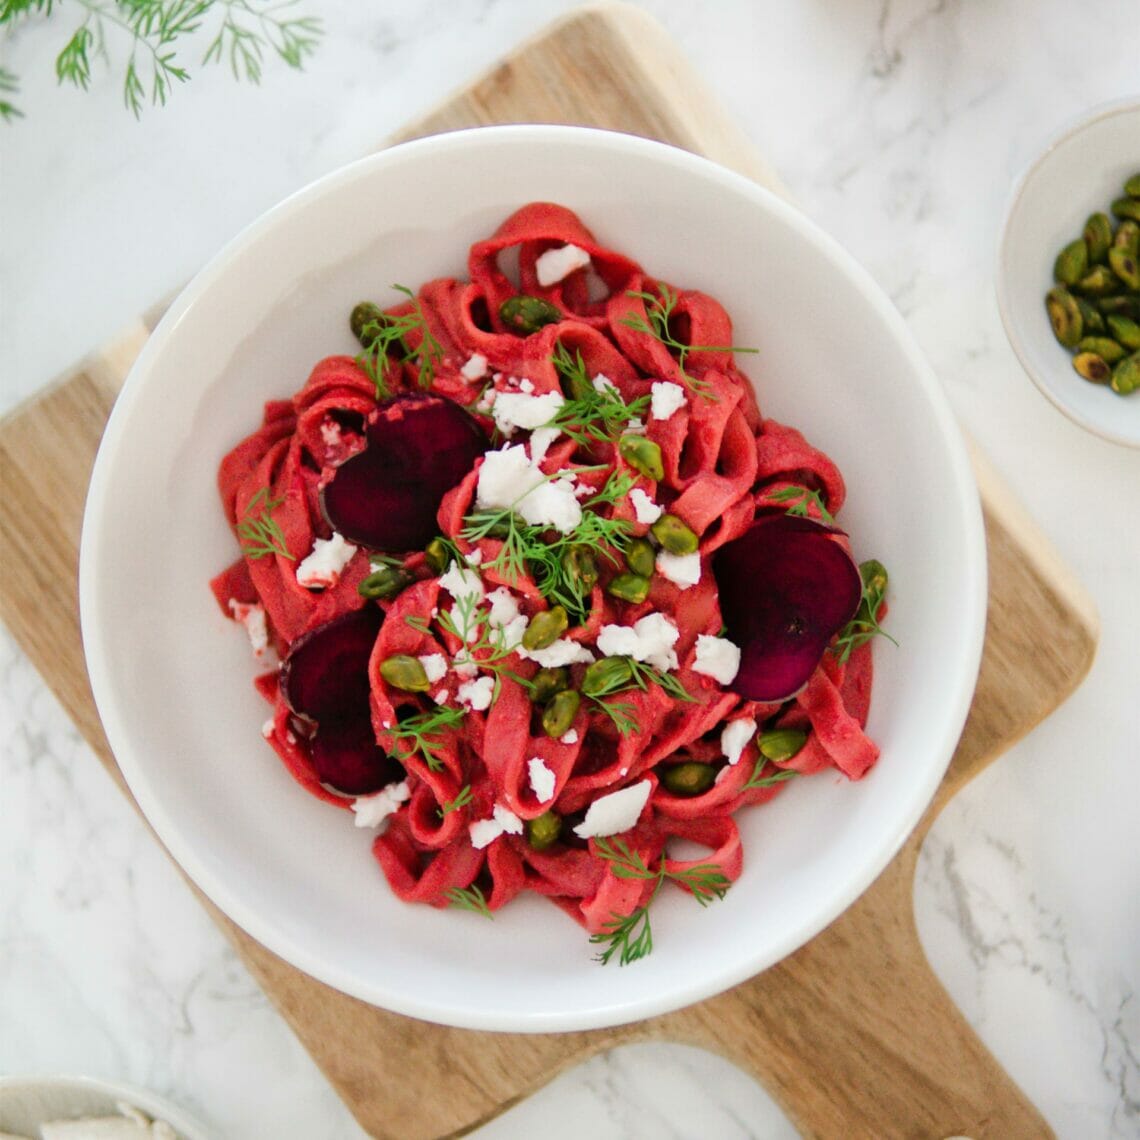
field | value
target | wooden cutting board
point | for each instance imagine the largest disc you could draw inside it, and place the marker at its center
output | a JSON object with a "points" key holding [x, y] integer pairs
{"points": [[853, 1035]]}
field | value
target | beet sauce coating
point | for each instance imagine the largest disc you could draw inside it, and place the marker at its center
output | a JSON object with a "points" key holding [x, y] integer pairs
{"points": [[786, 588]]}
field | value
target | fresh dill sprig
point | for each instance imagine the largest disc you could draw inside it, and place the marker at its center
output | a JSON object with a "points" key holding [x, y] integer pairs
{"points": [[865, 624], [468, 898], [801, 499], [631, 936], [386, 333], [462, 799], [591, 415], [659, 310], [620, 713], [153, 31], [640, 676], [9, 85], [759, 779], [258, 532], [422, 734]]}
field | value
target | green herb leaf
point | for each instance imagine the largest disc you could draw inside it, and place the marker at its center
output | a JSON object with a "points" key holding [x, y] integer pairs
{"points": [[259, 534], [865, 624], [659, 310], [468, 898], [591, 416], [764, 776], [464, 797], [800, 499], [423, 734], [389, 334], [629, 936]]}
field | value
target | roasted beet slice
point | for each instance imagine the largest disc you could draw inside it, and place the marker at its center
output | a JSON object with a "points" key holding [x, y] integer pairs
{"points": [[786, 588], [346, 756], [325, 675], [386, 497]]}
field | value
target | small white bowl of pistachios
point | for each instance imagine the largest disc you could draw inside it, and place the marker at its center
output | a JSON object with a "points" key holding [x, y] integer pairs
{"points": [[1068, 279]]}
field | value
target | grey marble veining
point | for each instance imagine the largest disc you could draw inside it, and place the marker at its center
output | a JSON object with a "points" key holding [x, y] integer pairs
{"points": [[899, 126]]}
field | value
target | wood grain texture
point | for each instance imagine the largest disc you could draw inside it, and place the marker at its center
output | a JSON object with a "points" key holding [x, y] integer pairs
{"points": [[858, 1003]]}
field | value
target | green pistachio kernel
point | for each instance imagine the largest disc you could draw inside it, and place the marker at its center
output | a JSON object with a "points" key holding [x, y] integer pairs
{"points": [[1092, 367], [437, 555], [1124, 331], [1126, 375], [1132, 186], [1100, 281], [581, 567], [607, 676], [523, 314], [546, 682], [1121, 304], [1072, 263], [640, 557], [362, 315], [405, 673], [560, 712], [1127, 237], [643, 455], [1126, 266], [1107, 349], [1064, 316], [629, 587], [542, 832], [546, 628], [1091, 319], [781, 744], [689, 778], [384, 582], [1127, 208], [1098, 237], [674, 535]]}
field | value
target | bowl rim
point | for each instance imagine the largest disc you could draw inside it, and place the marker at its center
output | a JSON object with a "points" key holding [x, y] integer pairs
{"points": [[956, 700], [1005, 301]]}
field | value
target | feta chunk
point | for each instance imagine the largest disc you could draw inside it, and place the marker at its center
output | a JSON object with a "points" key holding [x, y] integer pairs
{"points": [[557, 264], [475, 368], [518, 410], [477, 694], [650, 639], [616, 812], [718, 658], [558, 653], [540, 440], [541, 779], [570, 737], [435, 666], [252, 616], [644, 508], [322, 568], [683, 570], [461, 582], [735, 737], [666, 399], [603, 384], [509, 478], [373, 810], [486, 831]]}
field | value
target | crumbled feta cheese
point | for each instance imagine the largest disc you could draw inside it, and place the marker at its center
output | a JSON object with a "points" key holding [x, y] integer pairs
{"points": [[717, 657], [557, 264], [485, 831], [503, 607], [268, 729], [603, 384], [558, 653], [650, 639], [614, 813], [635, 425], [441, 697], [373, 810], [322, 568], [526, 386], [475, 368], [646, 510], [463, 666], [460, 583], [683, 570], [510, 635], [435, 666], [508, 478], [476, 695], [540, 441], [330, 434], [519, 410], [541, 779], [252, 616], [570, 737], [735, 737], [474, 557], [667, 398]]}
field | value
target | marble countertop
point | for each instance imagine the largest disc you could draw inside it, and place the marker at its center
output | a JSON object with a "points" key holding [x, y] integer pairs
{"points": [[899, 125]]}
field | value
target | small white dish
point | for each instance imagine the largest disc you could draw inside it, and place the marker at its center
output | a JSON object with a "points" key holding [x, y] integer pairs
{"points": [[1081, 171], [28, 1102]]}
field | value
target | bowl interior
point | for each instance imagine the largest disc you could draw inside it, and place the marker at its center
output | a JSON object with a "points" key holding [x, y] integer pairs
{"points": [[172, 677], [1079, 174]]}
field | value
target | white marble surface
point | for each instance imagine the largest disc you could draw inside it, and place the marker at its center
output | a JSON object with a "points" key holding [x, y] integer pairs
{"points": [[899, 125]]}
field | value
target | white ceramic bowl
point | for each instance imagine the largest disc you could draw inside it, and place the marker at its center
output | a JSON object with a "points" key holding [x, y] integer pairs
{"points": [[172, 676], [1080, 172], [26, 1103]]}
